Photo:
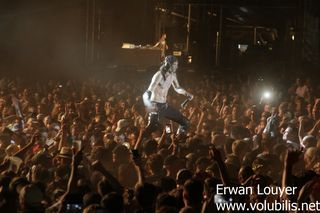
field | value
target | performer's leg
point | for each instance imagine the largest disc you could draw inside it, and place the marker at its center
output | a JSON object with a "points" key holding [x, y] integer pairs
{"points": [[153, 123], [176, 116]]}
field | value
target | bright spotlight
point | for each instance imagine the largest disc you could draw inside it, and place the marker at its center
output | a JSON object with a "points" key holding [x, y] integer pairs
{"points": [[189, 59], [267, 95]]}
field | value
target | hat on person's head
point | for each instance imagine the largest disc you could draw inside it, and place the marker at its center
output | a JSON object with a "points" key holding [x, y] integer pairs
{"points": [[122, 123], [170, 59], [40, 116], [65, 152]]}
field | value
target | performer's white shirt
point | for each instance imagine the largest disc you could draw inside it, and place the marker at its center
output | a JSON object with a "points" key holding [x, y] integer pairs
{"points": [[160, 86]]}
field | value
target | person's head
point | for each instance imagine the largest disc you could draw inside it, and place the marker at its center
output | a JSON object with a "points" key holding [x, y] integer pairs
{"points": [[218, 139], [113, 203], [150, 147], [192, 193], [17, 184], [170, 64], [163, 36], [165, 199], [122, 124], [280, 150], [166, 184], [104, 187], [201, 164], [61, 172], [30, 198], [311, 156], [239, 148], [121, 154], [65, 155], [291, 134], [127, 175], [228, 146], [146, 195], [91, 198], [171, 165], [155, 164], [210, 187], [183, 175], [244, 173], [40, 174], [213, 170], [93, 208], [309, 141]]}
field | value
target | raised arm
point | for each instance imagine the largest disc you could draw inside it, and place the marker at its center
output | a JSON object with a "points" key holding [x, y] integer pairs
{"points": [[21, 153], [200, 122], [215, 155], [291, 158], [301, 132], [139, 168], [162, 139], [314, 131], [139, 139]]}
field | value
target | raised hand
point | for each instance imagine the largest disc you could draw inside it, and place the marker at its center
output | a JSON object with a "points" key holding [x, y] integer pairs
{"points": [[189, 96], [77, 157]]}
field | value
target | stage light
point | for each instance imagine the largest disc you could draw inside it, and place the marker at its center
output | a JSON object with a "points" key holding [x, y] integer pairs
{"points": [[242, 47], [189, 59], [267, 95]]}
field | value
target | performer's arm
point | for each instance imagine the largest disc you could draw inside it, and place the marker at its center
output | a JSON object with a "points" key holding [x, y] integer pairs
{"points": [[179, 89], [156, 45]]}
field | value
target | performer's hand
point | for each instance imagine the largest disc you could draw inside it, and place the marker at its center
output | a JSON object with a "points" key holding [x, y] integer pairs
{"points": [[146, 101], [189, 96], [149, 94]]}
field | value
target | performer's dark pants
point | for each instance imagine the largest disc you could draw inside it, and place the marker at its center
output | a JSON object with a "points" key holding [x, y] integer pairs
{"points": [[164, 110]]}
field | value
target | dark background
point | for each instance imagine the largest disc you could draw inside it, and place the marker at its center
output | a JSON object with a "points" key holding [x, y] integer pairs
{"points": [[79, 36]]}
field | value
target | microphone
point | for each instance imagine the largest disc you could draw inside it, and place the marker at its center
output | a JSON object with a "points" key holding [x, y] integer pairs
{"points": [[184, 103]]}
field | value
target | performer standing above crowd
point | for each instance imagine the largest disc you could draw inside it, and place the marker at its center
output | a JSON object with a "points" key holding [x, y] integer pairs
{"points": [[155, 98]]}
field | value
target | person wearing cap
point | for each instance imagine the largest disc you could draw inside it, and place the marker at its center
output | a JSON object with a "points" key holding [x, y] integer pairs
{"points": [[65, 156], [155, 98], [120, 135]]}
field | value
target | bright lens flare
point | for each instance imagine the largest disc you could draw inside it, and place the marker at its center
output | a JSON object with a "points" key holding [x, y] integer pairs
{"points": [[267, 95]]}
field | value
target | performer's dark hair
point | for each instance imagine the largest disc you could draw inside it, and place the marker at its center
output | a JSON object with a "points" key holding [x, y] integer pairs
{"points": [[166, 64]]}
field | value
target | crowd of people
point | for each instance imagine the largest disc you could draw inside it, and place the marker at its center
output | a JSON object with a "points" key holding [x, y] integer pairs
{"points": [[79, 146]]}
